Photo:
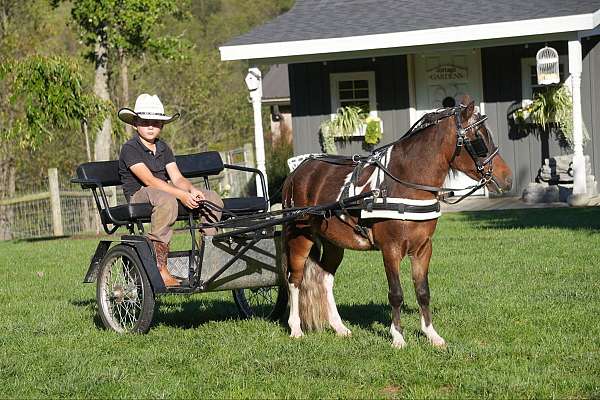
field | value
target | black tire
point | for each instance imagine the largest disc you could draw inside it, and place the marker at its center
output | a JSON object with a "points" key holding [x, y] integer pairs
{"points": [[123, 292], [266, 302]]}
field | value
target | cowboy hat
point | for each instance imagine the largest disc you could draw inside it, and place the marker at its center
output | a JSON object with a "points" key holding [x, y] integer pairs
{"points": [[146, 107]]}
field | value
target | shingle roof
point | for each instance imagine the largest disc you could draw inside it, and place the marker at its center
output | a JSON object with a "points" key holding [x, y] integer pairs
{"points": [[325, 19]]}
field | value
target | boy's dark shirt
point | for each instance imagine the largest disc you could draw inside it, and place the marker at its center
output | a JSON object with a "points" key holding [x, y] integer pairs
{"points": [[134, 152]]}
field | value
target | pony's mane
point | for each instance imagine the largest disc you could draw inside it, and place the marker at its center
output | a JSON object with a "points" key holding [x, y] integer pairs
{"points": [[429, 119]]}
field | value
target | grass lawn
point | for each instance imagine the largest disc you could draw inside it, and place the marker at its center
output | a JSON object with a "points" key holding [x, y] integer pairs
{"points": [[515, 294]]}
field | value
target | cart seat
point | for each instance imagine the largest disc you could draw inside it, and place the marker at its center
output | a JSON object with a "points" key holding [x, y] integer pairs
{"points": [[143, 211], [98, 175]]}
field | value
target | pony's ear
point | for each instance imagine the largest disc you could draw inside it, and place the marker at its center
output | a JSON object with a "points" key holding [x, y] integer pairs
{"points": [[469, 110]]}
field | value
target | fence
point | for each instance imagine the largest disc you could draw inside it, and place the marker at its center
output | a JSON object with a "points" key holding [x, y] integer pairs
{"points": [[65, 209]]}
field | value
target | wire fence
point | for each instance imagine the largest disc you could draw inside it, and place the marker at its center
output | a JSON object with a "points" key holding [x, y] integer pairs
{"points": [[63, 208]]}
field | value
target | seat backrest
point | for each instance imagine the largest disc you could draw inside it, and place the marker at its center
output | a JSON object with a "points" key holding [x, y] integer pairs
{"points": [[190, 165], [200, 164], [106, 172]]}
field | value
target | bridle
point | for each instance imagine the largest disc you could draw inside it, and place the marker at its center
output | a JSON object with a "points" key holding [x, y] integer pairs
{"points": [[476, 148]]}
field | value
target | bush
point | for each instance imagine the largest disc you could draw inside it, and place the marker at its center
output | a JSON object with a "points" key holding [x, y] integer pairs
{"points": [[277, 168]]}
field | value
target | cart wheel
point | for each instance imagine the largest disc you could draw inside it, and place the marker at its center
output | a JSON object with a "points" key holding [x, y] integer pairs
{"points": [[123, 293], [266, 302]]}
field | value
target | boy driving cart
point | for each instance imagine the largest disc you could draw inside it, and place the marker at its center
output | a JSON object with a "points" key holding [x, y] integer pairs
{"points": [[150, 174]]}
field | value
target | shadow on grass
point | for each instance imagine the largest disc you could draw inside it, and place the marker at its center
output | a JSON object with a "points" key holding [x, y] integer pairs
{"points": [[587, 218], [194, 313], [365, 315], [188, 314]]}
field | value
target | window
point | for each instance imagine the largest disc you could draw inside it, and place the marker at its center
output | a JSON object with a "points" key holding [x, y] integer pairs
{"points": [[353, 89], [529, 76]]}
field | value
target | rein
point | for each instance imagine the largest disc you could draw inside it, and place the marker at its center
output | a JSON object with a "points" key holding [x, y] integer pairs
{"points": [[476, 148]]}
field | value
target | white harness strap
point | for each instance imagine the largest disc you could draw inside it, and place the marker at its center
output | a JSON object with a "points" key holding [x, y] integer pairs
{"points": [[406, 215]]}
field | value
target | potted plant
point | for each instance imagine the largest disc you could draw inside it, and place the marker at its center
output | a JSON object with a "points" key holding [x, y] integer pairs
{"points": [[349, 121], [550, 108]]}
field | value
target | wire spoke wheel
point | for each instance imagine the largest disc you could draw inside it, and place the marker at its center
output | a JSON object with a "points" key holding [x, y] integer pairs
{"points": [[265, 302], [124, 295]]}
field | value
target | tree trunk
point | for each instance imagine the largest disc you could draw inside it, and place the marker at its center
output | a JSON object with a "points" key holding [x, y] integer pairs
{"points": [[7, 190], [104, 136], [125, 86]]}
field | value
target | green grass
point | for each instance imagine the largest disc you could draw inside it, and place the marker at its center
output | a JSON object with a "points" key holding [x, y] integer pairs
{"points": [[515, 294]]}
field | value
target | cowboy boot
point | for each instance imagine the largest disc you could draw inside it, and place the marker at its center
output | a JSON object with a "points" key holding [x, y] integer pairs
{"points": [[162, 254]]}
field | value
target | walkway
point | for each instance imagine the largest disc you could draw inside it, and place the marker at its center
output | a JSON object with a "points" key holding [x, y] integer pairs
{"points": [[480, 203]]}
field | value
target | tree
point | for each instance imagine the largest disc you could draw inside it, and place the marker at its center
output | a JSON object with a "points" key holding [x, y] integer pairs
{"points": [[43, 97], [128, 27]]}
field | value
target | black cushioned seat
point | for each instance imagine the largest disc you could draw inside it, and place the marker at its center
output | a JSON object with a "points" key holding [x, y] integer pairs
{"points": [[143, 211], [244, 205], [129, 212]]}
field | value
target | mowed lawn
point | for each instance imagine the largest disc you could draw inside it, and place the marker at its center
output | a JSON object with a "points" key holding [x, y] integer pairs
{"points": [[515, 294]]}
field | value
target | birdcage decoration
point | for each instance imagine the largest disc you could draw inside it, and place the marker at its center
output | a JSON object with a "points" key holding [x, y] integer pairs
{"points": [[547, 66]]}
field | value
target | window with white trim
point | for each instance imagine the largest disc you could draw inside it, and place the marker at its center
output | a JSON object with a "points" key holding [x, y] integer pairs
{"points": [[529, 76], [353, 89]]}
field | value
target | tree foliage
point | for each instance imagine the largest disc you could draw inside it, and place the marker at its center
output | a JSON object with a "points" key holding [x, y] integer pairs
{"points": [[46, 95], [172, 47]]}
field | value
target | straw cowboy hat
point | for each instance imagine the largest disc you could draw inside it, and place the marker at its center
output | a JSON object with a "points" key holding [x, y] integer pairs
{"points": [[146, 107]]}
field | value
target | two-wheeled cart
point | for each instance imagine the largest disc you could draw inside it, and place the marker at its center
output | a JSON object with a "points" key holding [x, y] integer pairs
{"points": [[244, 256]]}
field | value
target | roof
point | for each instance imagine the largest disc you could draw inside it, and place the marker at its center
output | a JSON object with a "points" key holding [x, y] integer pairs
{"points": [[276, 86], [326, 26]]}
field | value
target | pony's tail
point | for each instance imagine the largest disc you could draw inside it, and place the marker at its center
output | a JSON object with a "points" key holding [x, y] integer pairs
{"points": [[313, 297]]}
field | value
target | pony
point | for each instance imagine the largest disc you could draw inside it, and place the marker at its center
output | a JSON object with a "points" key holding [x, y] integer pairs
{"points": [[411, 169]]}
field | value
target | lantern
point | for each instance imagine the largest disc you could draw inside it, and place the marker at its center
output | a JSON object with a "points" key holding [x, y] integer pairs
{"points": [[547, 66]]}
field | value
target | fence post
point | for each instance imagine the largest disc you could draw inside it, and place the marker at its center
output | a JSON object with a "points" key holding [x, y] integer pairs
{"points": [[55, 202]]}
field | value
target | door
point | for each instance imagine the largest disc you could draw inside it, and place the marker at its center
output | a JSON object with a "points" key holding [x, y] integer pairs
{"points": [[442, 79]]}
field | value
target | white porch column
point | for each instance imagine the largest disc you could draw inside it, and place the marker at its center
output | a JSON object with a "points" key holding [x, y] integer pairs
{"points": [[254, 83], [575, 67]]}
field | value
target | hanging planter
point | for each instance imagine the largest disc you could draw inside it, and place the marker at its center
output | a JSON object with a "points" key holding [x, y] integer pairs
{"points": [[550, 108], [347, 123]]}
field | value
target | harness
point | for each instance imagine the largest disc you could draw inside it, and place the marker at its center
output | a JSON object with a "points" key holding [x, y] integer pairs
{"points": [[386, 207]]}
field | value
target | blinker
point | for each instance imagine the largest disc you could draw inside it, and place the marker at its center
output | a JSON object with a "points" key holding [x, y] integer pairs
{"points": [[479, 147]]}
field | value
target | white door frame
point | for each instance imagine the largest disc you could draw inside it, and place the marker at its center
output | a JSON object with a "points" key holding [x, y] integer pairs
{"points": [[414, 113]]}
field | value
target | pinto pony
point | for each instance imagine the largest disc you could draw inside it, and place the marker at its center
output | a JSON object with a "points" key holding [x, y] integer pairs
{"points": [[410, 170]]}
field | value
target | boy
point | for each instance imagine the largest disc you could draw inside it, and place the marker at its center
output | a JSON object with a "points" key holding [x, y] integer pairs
{"points": [[150, 175]]}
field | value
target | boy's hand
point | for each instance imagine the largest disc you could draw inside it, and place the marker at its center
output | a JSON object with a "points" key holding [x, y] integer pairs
{"points": [[198, 195], [188, 200]]}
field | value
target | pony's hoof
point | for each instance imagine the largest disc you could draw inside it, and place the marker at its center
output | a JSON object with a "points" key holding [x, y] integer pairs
{"points": [[437, 341], [344, 332], [399, 344], [296, 334]]}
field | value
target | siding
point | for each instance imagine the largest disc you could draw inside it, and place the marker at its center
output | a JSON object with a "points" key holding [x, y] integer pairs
{"points": [[525, 152], [590, 92], [311, 100]]}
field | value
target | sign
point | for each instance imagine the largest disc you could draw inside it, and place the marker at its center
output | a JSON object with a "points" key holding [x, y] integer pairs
{"points": [[447, 72]]}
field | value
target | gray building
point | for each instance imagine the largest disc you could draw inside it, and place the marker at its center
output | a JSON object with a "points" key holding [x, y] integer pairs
{"points": [[405, 58]]}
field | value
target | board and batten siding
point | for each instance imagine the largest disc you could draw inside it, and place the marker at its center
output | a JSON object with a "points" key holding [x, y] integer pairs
{"points": [[311, 100], [502, 91]]}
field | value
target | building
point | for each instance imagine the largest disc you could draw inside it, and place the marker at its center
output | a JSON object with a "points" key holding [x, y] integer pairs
{"points": [[404, 58], [276, 95]]}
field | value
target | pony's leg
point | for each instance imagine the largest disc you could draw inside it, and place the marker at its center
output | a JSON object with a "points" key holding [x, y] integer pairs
{"points": [[391, 262], [420, 269], [330, 261], [298, 249]]}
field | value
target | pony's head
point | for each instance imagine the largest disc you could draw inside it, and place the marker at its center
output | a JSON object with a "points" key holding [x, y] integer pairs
{"points": [[476, 154]]}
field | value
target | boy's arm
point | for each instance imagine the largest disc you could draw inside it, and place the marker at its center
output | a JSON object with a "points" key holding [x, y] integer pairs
{"points": [[144, 174], [182, 182]]}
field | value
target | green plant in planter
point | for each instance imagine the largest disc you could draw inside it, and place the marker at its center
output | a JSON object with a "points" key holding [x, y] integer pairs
{"points": [[373, 132], [552, 107], [346, 122]]}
